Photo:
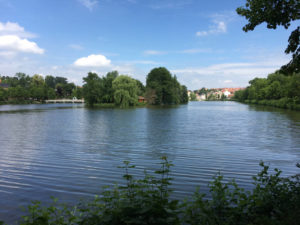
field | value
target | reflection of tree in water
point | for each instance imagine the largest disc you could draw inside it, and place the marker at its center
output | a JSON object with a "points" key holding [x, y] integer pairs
{"points": [[280, 124], [162, 131], [290, 114]]}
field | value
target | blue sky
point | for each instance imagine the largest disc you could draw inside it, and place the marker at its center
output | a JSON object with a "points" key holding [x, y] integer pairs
{"points": [[202, 42]]}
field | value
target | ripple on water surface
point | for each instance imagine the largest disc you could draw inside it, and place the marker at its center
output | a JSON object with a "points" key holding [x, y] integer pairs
{"points": [[70, 151]]}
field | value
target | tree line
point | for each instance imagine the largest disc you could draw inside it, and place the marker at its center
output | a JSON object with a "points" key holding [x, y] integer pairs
{"points": [[23, 88], [276, 90], [121, 90]]}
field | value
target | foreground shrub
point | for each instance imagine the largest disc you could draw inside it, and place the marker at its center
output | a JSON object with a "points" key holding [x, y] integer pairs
{"points": [[273, 200]]}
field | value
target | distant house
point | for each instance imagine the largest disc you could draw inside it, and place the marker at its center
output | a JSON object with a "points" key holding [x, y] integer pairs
{"points": [[201, 97], [226, 93], [141, 99]]}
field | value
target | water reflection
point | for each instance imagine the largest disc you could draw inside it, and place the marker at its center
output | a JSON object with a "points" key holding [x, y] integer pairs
{"points": [[71, 151]]}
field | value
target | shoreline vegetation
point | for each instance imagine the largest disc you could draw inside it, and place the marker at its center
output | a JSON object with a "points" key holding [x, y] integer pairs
{"points": [[273, 200], [277, 90]]}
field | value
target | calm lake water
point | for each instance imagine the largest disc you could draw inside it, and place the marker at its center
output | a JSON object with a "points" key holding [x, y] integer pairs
{"points": [[70, 152]]}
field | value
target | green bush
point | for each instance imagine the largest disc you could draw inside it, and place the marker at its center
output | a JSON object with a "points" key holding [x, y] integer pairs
{"points": [[277, 90], [273, 200]]}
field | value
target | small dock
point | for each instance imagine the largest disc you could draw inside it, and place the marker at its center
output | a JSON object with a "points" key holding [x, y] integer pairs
{"points": [[65, 101]]}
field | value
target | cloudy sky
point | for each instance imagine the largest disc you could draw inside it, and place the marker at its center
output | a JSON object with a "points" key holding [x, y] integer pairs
{"points": [[202, 42]]}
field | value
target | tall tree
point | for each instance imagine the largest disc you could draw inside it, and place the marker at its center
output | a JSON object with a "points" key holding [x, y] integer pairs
{"points": [[92, 88], [184, 98], [162, 88], [50, 81], [141, 88], [108, 91], [276, 13]]}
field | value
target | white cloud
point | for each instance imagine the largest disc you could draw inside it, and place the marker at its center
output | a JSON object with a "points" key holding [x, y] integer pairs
{"points": [[169, 4], [90, 4], [154, 52], [93, 61], [185, 51], [10, 28], [143, 62], [76, 47], [232, 69], [194, 51], [218, 23], [227, 74], [218, 27], [15, 44]]}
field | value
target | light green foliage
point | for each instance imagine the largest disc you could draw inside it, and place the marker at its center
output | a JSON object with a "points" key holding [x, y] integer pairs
{"points": [[38, 80], [125, 91], [276, 13], [274, 200], [162, 88]]}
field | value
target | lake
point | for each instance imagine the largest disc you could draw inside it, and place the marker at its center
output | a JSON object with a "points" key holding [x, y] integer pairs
{"points": [[70, 152]]}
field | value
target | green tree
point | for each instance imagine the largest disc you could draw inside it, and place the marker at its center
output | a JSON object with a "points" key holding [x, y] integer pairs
{"points": [[68, 89], [294, 86], [38, 92], [3, 94], [162, 88], [184, 98], [125, 91], [38, 80], [276, 13], [18, 93], [60, 80], [108, 91], [24, 80], [92, 89], [193, 96], [59, 90], [50, 81], [50, 93], [141, 88], [77, 92]]}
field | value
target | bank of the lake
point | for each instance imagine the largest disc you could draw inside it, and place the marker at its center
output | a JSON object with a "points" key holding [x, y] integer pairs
{"points": [[283, 103], [71, 151]]}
